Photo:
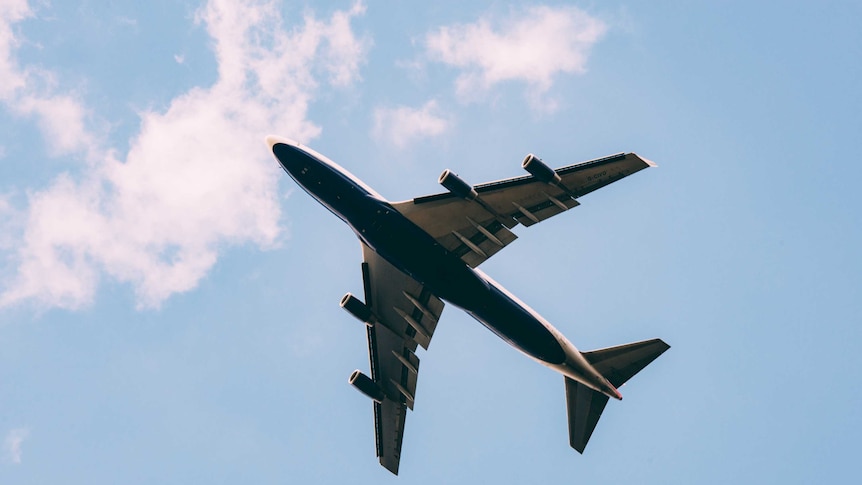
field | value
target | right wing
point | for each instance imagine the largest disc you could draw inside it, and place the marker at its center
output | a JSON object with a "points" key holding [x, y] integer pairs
{"points": [[477, 229], [404, 315]]}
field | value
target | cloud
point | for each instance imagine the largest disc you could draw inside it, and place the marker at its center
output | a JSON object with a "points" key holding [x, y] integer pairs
{"points": [[403, 125], [62, 120], [12, 444], [8, 227], [11, 12], [531, 47], [197, 176], [28, 91]]}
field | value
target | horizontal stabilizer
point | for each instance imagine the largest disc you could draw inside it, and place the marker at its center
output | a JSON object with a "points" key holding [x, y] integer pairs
{"points": [[617, 365], [621, 363], [585, 407]]}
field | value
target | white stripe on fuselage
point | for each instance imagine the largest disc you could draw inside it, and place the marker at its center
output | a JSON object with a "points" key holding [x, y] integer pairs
{"points": [[559, 336], [570, 350]]}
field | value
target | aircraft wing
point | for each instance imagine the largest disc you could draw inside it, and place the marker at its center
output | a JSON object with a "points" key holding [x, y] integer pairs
{"points": [[404, 315], [477, 229]]}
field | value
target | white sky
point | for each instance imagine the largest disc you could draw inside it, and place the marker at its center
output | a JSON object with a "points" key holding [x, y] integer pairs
{"points": [[168, 299]]}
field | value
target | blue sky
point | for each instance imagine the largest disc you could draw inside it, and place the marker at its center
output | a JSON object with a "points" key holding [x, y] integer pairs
{"points": [[168, 298]]}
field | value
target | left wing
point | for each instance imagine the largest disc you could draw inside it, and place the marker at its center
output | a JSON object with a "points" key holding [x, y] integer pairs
{"points": [[403, 314], [475, 222]]}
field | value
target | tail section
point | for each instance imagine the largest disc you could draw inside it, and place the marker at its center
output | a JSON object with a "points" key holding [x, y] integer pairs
{"points": [[585, 408], [617, 365]]}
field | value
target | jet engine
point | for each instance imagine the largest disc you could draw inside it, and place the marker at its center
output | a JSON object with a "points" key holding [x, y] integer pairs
{"points": [[357, 308], [457, 186], [365, 385], [539, 170]]}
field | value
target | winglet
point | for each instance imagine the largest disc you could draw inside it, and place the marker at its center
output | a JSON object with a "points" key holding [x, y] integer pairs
{"points": [[646, 160]]}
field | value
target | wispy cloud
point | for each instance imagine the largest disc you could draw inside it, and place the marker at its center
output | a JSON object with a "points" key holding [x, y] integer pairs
{"points": [[197, 176], [532, 47], [12, 444], [8, 224], [11, 12], [403, 125], [30, 91]]}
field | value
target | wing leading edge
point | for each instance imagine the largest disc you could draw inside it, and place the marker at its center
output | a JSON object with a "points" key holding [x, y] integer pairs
{"points": [[476, 228], [402, 315]]}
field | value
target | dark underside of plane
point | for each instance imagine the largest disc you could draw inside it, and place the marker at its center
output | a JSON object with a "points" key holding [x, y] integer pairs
{"points": [[422, 252]]}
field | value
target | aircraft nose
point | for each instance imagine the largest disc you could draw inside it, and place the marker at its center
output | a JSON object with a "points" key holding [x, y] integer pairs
{"points": [[287, 151], [271, 140], [288, 156]]}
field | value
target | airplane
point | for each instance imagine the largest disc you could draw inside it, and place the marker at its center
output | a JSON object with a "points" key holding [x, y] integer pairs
{"points": [[422, 252]]}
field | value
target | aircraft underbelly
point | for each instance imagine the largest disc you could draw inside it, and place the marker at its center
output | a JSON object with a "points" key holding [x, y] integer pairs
{"points": [[409, 248], [416, 253]]}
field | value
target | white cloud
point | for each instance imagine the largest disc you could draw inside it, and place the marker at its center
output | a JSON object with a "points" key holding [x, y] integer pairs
{"points": [[11, 11], [12, 444], [532, 47], [197, 177], [29, 91], [7, 224], [62, 120], [402, 125]]}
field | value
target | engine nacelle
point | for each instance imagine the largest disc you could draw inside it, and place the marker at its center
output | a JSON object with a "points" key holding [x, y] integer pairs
{"points": [[366, 386], [357, 308], [539, 170], [457, 186]]}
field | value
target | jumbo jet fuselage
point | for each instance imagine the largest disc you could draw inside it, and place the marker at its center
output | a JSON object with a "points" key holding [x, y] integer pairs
{"points": [[412, 250]]}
